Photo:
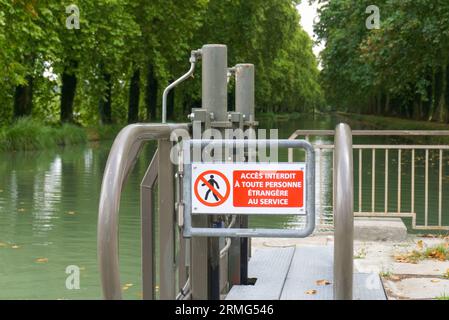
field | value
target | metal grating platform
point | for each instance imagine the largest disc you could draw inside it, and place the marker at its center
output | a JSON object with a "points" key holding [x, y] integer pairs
{"points": [[270, 267], [289, 273]]}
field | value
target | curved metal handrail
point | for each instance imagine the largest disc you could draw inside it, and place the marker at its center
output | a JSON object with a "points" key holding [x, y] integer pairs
{"points": [[343, 213], [122, 157]]}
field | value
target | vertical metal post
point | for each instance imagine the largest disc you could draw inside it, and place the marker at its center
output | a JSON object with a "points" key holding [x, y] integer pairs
{"points": [[413, 182], [360, 179], [244, 90], [146, 212], [399, 179], [182, 265], [440, 187], [426, 190], [244, 246], [214, 266], [386, 181], [205, 251], [373, 182], [167, 269], [244, 103], [215, 80], [343, 214]]}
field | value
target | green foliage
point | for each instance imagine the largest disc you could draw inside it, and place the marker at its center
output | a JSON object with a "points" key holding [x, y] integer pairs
{"points": [[400, 69], [117, 37]]}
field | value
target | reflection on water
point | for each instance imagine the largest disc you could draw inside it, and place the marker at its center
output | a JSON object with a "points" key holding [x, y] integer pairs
{"points": [[49, 207], [48, 221]]}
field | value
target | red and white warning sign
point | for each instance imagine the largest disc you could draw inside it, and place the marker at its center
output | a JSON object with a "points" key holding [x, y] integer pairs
{"points": [[248, 188]]}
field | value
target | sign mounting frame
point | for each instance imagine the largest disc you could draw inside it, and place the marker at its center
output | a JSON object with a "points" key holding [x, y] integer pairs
{"points": [[309, 185]]}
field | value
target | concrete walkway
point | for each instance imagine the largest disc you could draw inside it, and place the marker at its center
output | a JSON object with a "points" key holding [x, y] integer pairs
{"points": [[422, 280]]}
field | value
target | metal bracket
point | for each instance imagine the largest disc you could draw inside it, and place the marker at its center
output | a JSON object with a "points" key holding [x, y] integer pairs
{"points": [[190, 231]]}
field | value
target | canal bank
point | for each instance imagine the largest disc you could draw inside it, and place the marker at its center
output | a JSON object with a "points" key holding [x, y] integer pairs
{"points": [[49, 207], [402, 279]]}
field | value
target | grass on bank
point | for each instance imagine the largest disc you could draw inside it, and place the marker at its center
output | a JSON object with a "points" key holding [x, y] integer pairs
{"points": [[439, 252], [30, 134], [444, 296]]}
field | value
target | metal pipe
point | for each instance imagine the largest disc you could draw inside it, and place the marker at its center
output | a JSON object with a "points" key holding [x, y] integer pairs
{"points": [[373, 181], [244, 103], [399, 179], [167, 265], [121, 160], [372, 133], [244, 90], [147, 215], [215, 80], [440, 186], [343, 213], [228, 240], [194, 56], [185, 290], [426, 189], [386, 182]]}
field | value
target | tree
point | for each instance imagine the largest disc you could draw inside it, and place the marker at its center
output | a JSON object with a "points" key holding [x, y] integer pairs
{"points": [[399, 69]]}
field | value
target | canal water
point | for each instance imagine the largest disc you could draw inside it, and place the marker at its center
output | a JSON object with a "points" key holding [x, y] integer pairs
{"points": [[49, 206]]}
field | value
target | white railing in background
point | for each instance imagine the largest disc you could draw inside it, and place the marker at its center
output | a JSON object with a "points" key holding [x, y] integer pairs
{"points": [[420, 218]]}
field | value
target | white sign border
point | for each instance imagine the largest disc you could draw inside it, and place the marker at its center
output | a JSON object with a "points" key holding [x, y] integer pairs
{"points": [[227, 207]]}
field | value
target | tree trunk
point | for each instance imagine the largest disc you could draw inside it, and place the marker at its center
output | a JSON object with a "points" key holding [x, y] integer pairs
{"points": [[442, 116], [23, 99], [387, 105], [446, 99], [105, 104], [432, 97], [379, 103], [68, 92], [151, 93], [134, 97]]}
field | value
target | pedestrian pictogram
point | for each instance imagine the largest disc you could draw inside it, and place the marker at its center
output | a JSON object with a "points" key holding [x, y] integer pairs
{"points": [[212, 188]]}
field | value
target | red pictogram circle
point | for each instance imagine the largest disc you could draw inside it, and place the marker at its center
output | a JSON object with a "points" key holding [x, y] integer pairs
{"points": [[222, 198]]}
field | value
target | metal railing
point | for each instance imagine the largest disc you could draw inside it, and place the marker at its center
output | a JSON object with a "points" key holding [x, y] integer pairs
{"points": [[121, 160], [343, 213], [394, 188]]}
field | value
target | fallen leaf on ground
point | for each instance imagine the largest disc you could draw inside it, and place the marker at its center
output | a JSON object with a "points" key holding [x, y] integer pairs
{"points": [[322, 282], [41, 260], [420, 244], [127, 286], [311, 292], [434, 280]]}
